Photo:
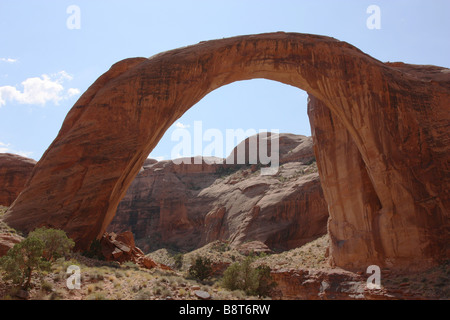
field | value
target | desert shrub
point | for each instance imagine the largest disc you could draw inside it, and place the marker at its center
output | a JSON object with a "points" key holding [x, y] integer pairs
{"points": [[251, 280], [157, 290], [178, 258], [201, 268], [98, 295], [265, 281], [221, 246], [22, 260], [144, 294], [56, 295], [56, 243], [47, 286]]}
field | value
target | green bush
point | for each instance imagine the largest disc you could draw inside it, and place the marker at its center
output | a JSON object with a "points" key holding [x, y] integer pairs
{"points": [[201, 268], [265, 281], [22, 260], [56, 243], [253, 281]]}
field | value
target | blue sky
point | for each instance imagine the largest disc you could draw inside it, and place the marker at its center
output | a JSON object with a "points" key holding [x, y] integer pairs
{"points": [[45, 66]]}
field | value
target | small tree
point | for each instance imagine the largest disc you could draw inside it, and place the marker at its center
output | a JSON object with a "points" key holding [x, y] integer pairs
{"points": [[201, 268], [22, 260], [56, 243], [231, 276], [253, 281], [241, 276], [265, 281]]}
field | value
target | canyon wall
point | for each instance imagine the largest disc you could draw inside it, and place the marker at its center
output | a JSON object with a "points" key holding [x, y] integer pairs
{"points": [[185, 206]]}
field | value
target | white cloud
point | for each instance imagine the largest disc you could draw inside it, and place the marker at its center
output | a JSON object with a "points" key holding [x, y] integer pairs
{"points": [[47, 88], [8, 60], [5, 148], [181, 126], [73, 92]]}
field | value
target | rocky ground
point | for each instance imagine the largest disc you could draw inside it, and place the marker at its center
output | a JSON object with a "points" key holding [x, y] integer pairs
{"points": [[301, 273]]}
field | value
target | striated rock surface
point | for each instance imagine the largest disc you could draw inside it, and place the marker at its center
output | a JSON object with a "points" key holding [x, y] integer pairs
{"points": [[398, 217], [14, 173], [186, 206], [396, 117]]}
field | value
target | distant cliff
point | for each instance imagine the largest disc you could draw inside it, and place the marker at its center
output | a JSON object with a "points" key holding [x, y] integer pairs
{"points": [[188, 205]]}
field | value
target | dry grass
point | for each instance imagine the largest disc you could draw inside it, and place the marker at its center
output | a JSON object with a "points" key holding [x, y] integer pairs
{"points": [[104, 281], [111, 281], [308, 256], [433, 283]]}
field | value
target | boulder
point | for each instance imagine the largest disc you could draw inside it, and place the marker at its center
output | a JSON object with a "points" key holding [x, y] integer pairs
{"points": [[121, 248], [202, 295]]}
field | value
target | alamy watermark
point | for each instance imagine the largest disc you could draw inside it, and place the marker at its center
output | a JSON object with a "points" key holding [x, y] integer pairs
{"points": [[374, 281], [261, 147], [74, 280], [73, 22], [374, 20]]}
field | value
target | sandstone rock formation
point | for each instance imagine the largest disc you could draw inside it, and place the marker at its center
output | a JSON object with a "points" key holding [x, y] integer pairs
{"points": [[185, 206], [121, 248], [14, 173], [7, 241], [394, 116]]}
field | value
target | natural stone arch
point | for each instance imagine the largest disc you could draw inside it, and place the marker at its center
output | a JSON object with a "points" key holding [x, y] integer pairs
{"points": [[388, 121]]}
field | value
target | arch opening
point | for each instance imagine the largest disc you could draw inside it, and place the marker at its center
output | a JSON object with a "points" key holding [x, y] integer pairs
{"points": [[222, 130], [246, 107]]}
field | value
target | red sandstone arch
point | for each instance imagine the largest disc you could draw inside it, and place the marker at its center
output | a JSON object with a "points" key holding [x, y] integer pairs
{"points": [[381, 135]]}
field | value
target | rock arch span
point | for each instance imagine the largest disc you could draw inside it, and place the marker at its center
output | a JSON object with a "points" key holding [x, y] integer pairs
{"points": [[380, 130]]}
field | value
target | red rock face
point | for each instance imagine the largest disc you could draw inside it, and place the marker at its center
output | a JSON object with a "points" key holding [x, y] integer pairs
{"points": [[14, 173], [189, 205], [401, 222], [396, 116]]}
